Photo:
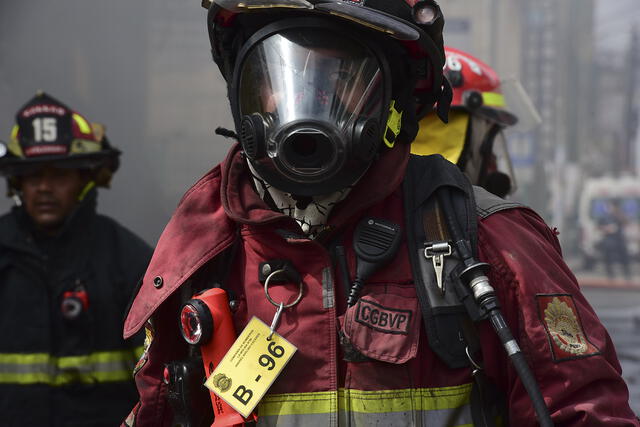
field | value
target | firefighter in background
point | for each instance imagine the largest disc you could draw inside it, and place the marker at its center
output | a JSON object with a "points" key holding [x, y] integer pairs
{"points": [[613, 245], [67, 275], [325, 95], [474, 133]]}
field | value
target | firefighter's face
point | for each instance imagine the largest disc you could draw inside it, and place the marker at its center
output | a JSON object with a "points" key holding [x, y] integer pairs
{"points": [[50, 195]]}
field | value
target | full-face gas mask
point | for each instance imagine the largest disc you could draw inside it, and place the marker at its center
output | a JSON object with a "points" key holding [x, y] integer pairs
{"points": [[310, 102]]}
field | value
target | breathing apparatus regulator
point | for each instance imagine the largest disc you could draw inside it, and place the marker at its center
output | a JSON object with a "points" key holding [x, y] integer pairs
{"points": [[47, 132]]}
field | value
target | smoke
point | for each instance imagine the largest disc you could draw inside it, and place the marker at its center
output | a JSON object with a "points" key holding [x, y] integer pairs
{"points": [[143, 69]]}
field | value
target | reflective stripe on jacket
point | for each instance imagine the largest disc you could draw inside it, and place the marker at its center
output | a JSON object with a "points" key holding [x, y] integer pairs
{"points": [[438, 406], [57, 370], [105, 366]]}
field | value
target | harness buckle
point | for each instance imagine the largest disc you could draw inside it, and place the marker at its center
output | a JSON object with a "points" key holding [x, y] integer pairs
{"points": [[437, 251]]}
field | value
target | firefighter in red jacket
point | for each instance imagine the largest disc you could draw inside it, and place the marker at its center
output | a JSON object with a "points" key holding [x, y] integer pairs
{"points": [[325, 98], [473, 137]]}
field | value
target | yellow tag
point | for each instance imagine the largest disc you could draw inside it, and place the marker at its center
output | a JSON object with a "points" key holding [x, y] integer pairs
{"points": [[251, 365]]}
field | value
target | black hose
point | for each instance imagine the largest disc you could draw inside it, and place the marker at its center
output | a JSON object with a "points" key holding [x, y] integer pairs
{"points": [[489, 302], [521, 366]]}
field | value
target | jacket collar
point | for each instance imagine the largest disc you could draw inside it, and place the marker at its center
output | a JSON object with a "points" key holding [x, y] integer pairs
{"points": [[244, 205], [240, 200], [199, 230], [205, 223]]}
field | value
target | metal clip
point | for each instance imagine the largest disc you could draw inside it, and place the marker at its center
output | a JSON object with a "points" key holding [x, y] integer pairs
{"points": [[275, 321], [477, 368], [437, 252]]}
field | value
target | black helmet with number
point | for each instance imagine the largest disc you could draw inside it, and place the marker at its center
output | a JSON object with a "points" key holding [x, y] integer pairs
{"points": [[48, 132], [318, 87]]}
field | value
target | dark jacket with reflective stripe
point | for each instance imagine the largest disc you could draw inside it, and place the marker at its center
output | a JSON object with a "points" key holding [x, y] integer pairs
{"points": [[56, 371]]}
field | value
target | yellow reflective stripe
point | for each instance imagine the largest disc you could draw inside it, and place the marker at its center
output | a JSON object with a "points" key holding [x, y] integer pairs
{"points": [[92, 377], [383, 401], [24, 359], [66, 362], [297, 403], [422, 399], [492, 99], [86, 190], [105, 366], [83, 125], [13, 378], [64, 378]]}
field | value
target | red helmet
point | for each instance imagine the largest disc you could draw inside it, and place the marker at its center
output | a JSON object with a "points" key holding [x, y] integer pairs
{"points": [[476, 87]]}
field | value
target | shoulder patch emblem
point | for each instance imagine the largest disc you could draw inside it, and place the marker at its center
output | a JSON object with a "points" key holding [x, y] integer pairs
{"points": [[561, 320]]}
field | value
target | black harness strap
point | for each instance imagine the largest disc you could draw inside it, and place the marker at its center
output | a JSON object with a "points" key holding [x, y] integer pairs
{"points": [[442, 311], [448, 313]]}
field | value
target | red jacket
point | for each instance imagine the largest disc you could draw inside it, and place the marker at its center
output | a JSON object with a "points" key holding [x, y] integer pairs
{"points": [[402, 382]]}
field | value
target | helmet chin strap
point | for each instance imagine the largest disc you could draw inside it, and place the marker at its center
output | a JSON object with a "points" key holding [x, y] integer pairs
{"points": [[91, 184], [310, 212]]}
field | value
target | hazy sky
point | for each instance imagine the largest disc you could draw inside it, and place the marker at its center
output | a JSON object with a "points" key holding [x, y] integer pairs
{"points": [[614, 21]]}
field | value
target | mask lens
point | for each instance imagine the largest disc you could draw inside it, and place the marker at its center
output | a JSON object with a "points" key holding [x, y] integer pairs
{"points": [[299, 74], [303, 93]]}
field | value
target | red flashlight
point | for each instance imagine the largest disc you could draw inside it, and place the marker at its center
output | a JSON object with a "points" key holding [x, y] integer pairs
{"points": [[205, 320]]}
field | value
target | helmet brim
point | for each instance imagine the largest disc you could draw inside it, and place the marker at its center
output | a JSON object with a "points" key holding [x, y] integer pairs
{"points": [[15, 166], [372, 18], [502, 117]]}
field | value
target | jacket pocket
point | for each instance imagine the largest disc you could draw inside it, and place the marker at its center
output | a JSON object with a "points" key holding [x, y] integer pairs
{"points": [[384, 324]]}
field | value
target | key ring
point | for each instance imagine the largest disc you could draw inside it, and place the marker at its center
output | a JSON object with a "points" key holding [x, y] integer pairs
{"points": [[277, 304], [281, 306]]}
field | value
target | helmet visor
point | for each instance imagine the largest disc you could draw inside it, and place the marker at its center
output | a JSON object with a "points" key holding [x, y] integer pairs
{"points": [[520, 105], [308, 74], [503, 160]]}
